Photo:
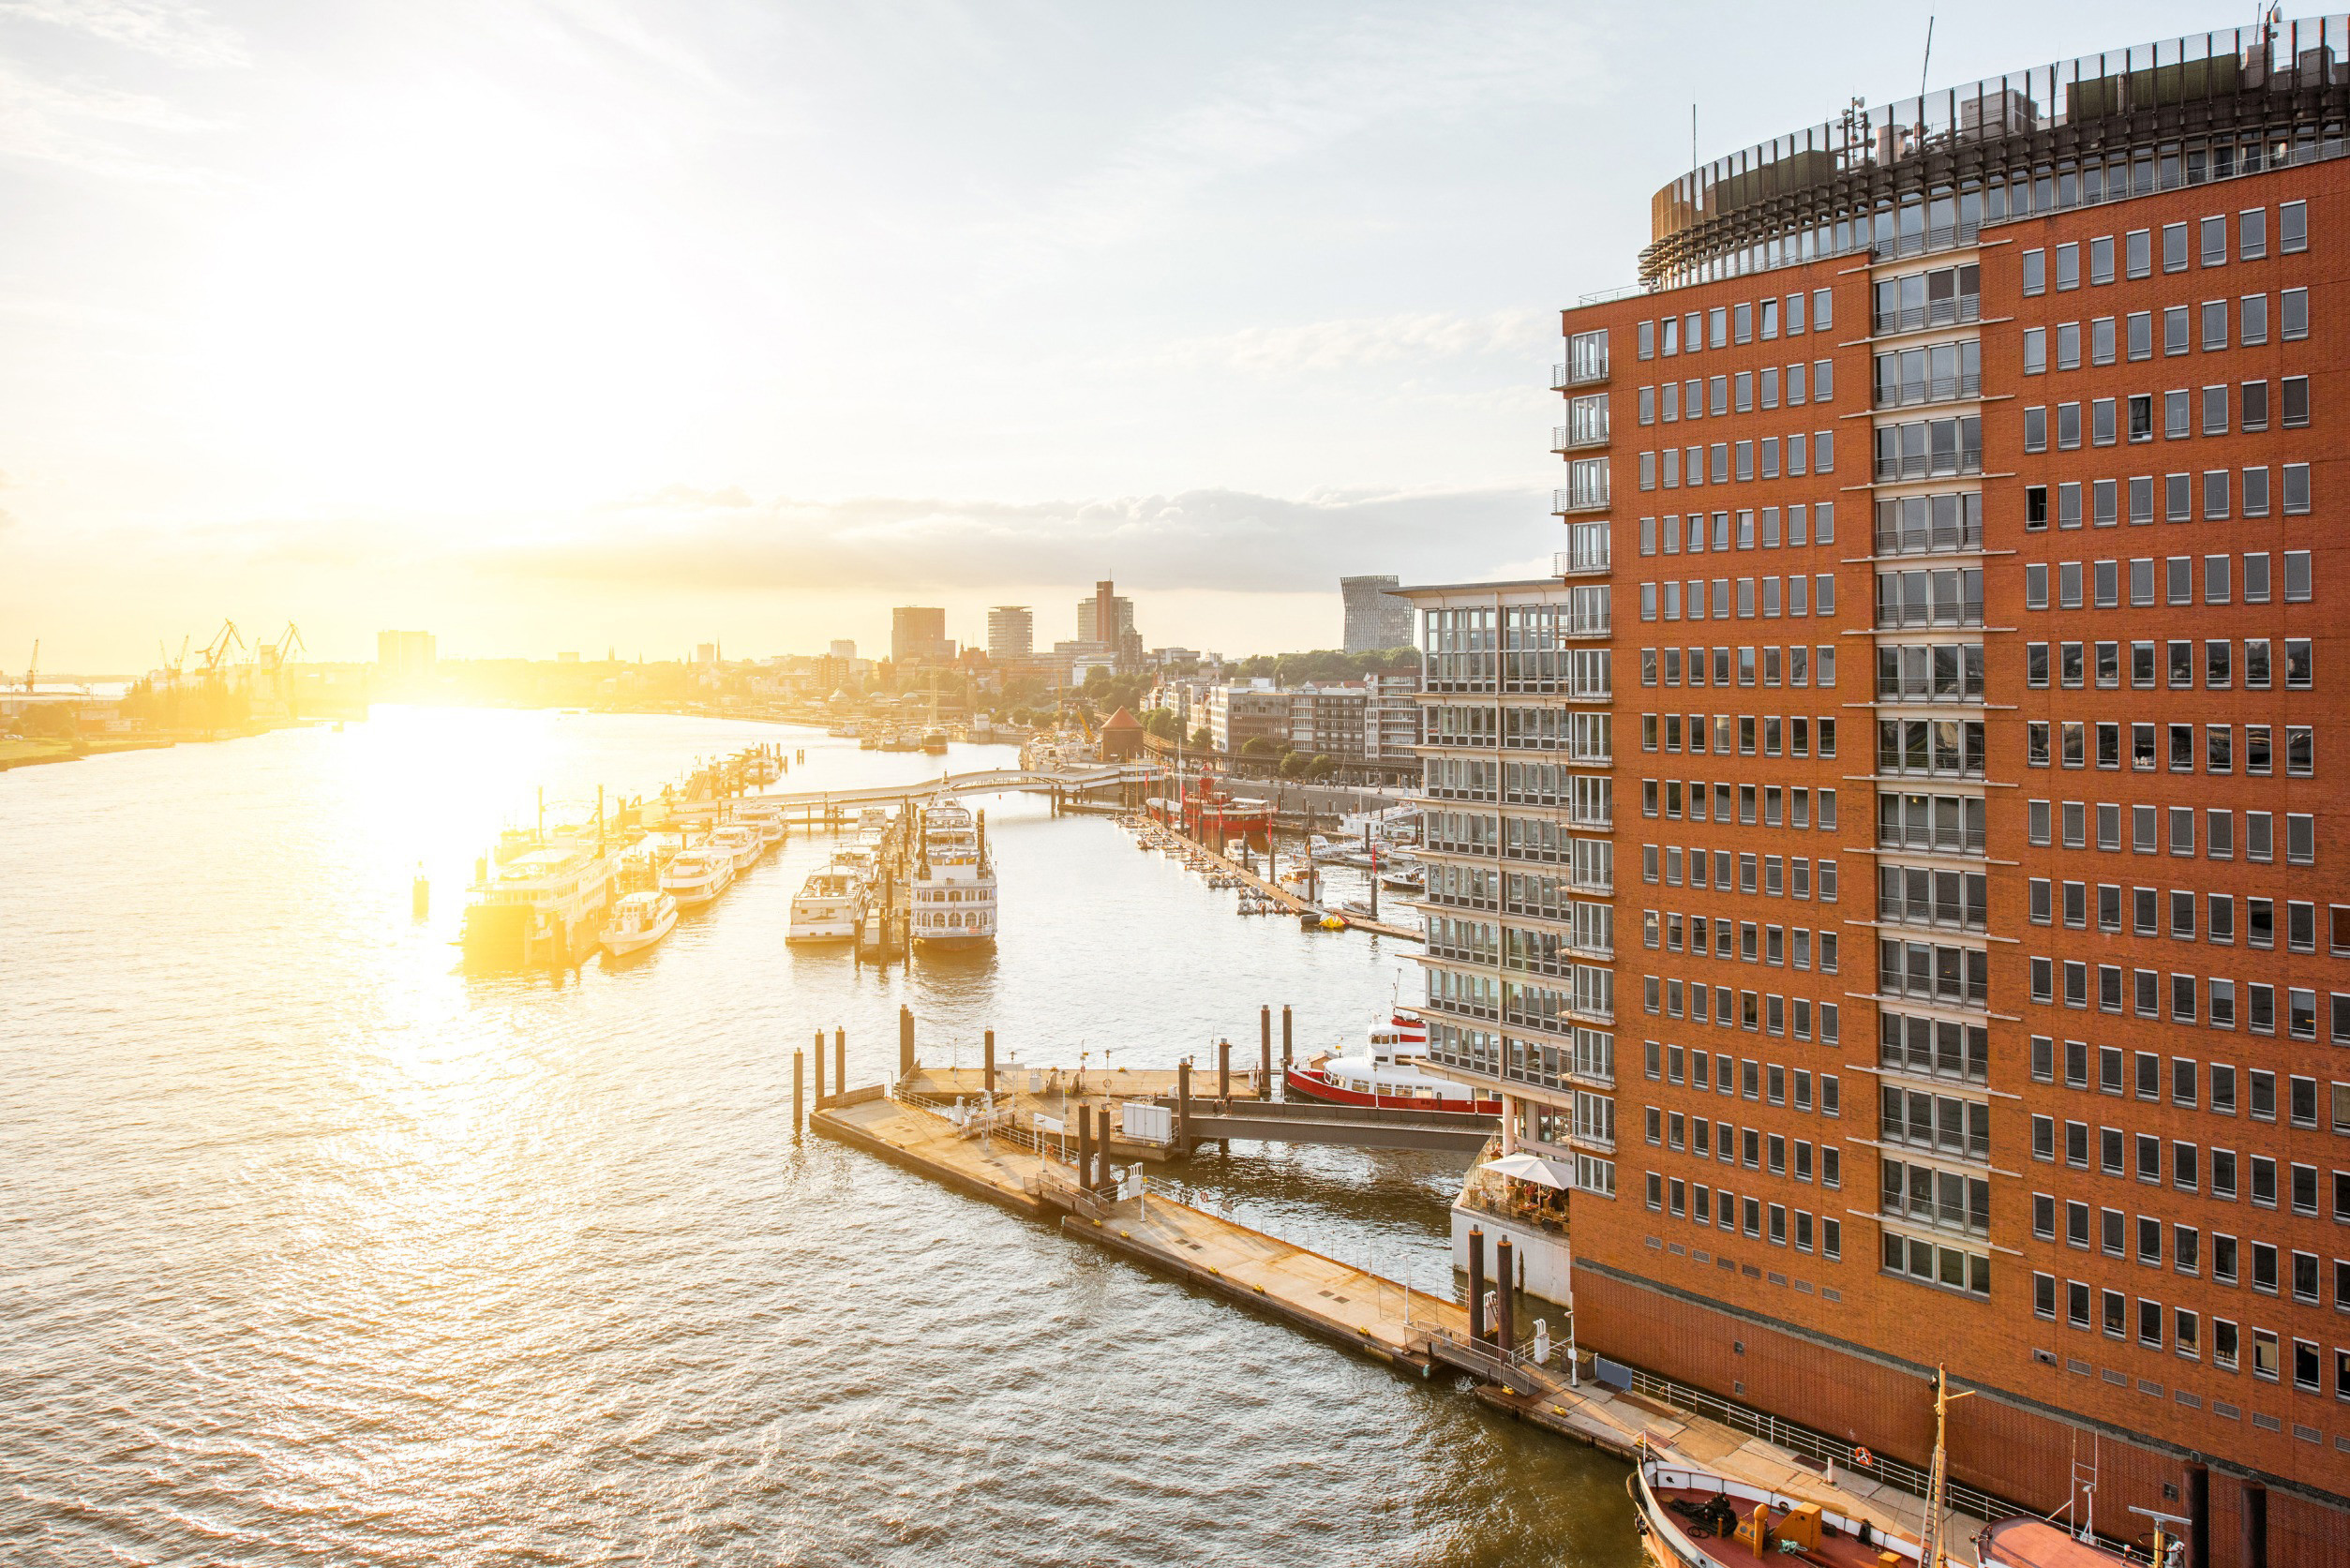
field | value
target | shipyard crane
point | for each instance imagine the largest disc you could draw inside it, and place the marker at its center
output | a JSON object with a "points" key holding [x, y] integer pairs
{"points": [[171, 666], [274, 655], [33, 668], [217, 651]]}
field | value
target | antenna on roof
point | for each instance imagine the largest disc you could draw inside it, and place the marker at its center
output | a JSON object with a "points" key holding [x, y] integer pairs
{"points": [[1924, 64]]}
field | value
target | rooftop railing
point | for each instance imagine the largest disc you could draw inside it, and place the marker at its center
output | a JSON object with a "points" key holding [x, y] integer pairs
{"points": [[2278, 57]]}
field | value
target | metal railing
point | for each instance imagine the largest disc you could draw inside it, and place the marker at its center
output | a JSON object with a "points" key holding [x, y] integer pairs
{"points": [[1816, 1445], [1933, 389], [1946, 841], [1929, 465], [1933, 538], [1967, 610], [1959, 310]]}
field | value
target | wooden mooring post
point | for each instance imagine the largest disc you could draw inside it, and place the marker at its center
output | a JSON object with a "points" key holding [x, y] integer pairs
{"points": [[906, 1042], [840, 1061], [1264, 1052], [819, 1069], [799, 1069], [988, 1050], [1182, 1107], [1476, 1285]]}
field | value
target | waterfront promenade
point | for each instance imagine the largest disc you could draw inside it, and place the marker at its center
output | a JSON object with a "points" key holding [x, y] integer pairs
{"points": [[1422, 1335]]}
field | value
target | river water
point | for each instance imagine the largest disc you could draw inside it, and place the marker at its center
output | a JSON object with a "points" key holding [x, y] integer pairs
{"points": [[317, 1251]]}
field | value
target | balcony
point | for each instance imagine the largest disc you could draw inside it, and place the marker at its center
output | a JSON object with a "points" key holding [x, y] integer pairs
{"points": [[1586, 488], [1925, 535], [1946, 597], [1492, 1195], [1449, 1007], [1589, 550], [1586, 363], [1929, 449], [1938, 840], [1912, 316], [1908, 393]]}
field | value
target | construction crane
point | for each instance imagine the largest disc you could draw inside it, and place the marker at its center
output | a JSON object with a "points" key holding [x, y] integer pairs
{"points": [[33, 668], [273, 655], [217, 651]]}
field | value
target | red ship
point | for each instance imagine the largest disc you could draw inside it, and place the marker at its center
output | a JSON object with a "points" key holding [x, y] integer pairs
{"points": [[1380, 1072]]}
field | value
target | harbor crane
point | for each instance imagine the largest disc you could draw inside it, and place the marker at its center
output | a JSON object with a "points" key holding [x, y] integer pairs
{"points": [[273, 655], [217, 651], [33, 668], [171, 666]]}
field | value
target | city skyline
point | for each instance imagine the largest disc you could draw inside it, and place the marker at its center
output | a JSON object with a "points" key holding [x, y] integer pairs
{"points": [[250, 252]]}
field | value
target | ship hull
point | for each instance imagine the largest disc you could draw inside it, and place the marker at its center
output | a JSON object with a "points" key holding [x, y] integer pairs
{"points": [[1313, 1086]]}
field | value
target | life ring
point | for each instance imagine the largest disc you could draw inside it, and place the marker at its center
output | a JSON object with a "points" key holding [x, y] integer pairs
{"points": [[1864, 1458]]}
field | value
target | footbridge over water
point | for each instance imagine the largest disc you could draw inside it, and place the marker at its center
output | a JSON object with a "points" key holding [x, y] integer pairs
{"points": [[1362, 1126], [985, 780]]}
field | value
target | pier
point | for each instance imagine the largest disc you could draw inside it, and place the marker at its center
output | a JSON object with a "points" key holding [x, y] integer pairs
{"points": [[1288, 902], [1381, 1319]]}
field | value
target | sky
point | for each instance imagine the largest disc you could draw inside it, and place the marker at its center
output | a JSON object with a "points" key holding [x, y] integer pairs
{"points": [[589, 324]]}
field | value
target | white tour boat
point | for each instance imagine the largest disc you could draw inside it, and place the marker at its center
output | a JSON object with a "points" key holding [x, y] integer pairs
{"points": [[694, 877], [742, 843], [954, 880], [766, 816], [1380, 1072], [829, 907], [639, 920]]}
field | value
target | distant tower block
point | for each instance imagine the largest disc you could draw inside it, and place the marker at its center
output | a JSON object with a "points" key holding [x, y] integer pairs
{"points": [[1375, 618]]}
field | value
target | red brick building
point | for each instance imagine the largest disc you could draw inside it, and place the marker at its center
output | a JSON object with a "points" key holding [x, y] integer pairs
{"points": [[1969, 978]]}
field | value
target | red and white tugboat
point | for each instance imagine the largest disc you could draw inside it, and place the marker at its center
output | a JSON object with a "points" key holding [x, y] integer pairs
{"points": [[1381, 1072]]}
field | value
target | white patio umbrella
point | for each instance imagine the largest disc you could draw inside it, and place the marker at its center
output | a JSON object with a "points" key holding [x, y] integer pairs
{"points": [[1526, 1168]]}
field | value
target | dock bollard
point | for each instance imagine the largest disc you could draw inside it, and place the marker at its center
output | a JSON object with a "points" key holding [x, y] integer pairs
{"points": [[819, 1069], [1476, 1285], [1504, 1296], [1183, 1106], [798, 1067], [1265, 1051], [840, 1061]]}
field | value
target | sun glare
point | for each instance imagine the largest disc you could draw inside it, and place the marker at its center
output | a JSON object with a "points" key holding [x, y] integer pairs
{"points": [[452, 307]]}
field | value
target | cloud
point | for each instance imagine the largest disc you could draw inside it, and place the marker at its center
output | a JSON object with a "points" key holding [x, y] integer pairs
{"points": [[1226, 541], [1329, 85], [1345, 344], [50, 121], [181, 33]]}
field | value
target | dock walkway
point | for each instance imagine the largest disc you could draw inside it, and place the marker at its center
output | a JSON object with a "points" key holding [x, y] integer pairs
{"points": [[1289, 902], [1375, 1316]]}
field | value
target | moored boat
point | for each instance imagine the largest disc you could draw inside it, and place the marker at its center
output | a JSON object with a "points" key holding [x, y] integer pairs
{"points": [[639, 920], [765, 817], [827, 908], [542, 903], [1380, 1073], [739, 842], [953, 893], [694, 877], [1691, 1518]]}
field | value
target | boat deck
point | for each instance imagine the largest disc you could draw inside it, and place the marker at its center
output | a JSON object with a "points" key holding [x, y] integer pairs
{"points": [[1837, 1550]]}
